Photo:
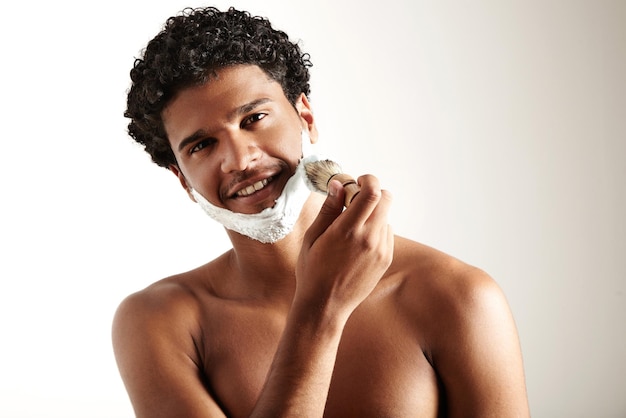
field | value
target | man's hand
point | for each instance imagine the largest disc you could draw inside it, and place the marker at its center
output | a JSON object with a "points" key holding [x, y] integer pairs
{"points": [[345, 253]]}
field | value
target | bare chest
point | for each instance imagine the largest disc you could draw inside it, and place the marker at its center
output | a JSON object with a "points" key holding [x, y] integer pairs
{"points": [[380, 369]]}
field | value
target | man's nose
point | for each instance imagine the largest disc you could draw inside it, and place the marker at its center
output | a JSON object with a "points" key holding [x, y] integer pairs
{"points": [[239, 151]]}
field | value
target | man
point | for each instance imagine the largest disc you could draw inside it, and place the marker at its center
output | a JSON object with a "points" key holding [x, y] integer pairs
{"points": [[316, 310]]}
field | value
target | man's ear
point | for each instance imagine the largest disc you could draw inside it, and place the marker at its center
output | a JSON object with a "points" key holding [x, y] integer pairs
{"points": [[181, 178], [306, 116]]}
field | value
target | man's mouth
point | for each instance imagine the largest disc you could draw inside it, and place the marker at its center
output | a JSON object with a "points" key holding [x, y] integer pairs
{"points": [[259, 185]]}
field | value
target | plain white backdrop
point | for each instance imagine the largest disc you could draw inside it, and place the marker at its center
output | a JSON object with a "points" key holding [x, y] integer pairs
{"points": [[500, 128]]}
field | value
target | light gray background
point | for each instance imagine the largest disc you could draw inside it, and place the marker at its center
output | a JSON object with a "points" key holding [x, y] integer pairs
{"points": [[500, 127]]}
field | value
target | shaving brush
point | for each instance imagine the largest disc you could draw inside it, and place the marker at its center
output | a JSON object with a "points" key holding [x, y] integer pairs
{"points": [[320, 173]]}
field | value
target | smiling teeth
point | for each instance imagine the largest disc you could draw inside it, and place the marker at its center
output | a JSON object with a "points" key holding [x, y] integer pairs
{"points": [[253, 188]]}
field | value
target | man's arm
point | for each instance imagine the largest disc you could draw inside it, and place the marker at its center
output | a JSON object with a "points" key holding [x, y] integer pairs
{"points": [[153, 340], [343, 257], [477, 351]]}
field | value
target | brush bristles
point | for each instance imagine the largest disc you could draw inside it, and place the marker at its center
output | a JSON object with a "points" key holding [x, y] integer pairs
{"points": [[320, 173]]}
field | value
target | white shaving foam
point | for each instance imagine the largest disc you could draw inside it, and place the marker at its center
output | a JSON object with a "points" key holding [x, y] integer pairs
{"points": [[271, 224]]}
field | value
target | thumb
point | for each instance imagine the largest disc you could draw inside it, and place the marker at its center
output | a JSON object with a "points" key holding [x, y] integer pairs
{"points": [[331, 209]]}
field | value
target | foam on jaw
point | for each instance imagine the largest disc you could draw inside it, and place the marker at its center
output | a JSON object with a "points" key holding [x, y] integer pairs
{"points": [[271, 224]]}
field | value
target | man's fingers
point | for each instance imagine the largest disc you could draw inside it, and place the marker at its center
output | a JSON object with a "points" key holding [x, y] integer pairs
{"points": [[331, 209], [366, 201]]}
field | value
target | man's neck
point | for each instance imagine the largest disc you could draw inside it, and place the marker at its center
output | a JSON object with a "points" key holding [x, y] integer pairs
{"points": [[270, 268]]}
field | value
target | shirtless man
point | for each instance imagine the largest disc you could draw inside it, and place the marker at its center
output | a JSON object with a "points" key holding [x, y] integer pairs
{"points": [[332, 315]]}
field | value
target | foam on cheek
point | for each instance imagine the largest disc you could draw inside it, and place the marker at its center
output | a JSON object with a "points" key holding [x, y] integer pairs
{"points": [[271, 224]]}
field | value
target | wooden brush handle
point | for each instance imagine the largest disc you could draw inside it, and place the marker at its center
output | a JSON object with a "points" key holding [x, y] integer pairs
{"points": [[349, 185]]}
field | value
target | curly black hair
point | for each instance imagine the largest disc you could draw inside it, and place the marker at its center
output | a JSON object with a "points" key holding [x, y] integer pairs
{"points": [[191, 47]]}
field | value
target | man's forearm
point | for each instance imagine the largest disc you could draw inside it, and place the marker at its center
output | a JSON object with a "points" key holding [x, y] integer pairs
{"points": [[299, 378]]}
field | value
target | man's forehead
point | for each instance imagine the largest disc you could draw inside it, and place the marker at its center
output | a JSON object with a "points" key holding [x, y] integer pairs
{"points": [[231, 92]]}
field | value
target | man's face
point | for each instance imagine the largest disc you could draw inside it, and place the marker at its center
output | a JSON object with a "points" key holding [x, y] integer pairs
{"points": [[236, 139]]}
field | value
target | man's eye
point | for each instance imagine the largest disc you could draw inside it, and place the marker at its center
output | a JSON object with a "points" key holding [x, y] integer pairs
{"points": [[200, 145], [253, 118]]}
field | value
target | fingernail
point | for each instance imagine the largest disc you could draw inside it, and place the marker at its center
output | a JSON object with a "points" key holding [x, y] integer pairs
{"points": [[332, 188]]}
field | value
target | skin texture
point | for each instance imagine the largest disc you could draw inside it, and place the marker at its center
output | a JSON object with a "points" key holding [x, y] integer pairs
{"points": [[340, 319]]}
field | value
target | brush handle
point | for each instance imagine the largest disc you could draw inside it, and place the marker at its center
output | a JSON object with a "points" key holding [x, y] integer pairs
{"points": [[349, 185]]}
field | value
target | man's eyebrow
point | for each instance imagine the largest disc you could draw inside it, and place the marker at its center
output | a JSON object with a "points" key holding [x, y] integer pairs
{"points": [[241, 110], [191, 138], [248, 107]]}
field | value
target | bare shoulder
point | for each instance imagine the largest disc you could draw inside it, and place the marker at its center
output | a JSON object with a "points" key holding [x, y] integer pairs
{"points": [[168, 300], [175, 299], [149, 307], [163, 315], [467, 330], [438, 275], [157, 341], [444, 293]]}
